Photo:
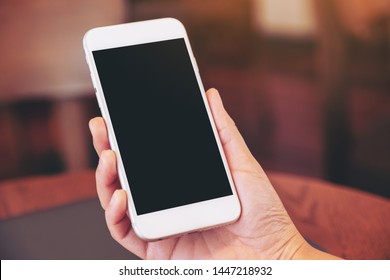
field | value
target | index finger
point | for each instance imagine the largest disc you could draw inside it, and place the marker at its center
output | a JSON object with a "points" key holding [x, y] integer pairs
{"points": [[98, 130]]}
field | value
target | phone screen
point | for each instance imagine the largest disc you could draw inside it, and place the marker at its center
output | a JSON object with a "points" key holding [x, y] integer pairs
{"points": [[165, 138]]}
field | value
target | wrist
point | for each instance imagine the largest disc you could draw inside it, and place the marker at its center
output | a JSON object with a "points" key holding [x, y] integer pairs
{"points": [[297, 248], [308, 252]]}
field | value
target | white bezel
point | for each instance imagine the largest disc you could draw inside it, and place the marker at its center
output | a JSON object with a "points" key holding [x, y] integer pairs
{"points": [[176, 220]]}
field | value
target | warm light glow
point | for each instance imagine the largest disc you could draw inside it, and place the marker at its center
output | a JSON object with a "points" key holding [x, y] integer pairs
{"points": [[285, 18]]}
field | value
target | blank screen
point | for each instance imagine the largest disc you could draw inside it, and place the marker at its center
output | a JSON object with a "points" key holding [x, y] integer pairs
{"points": [[165, 138]]}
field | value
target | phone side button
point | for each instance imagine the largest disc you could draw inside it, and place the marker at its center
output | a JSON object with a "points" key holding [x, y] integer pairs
{"points": [[93, 80], [98, 98], [196, 65]]}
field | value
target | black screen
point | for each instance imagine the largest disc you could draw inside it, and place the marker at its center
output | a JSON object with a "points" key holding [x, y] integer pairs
{"points": [[161, 125]]}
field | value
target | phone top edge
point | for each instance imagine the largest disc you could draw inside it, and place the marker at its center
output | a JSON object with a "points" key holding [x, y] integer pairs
{"points": [[117, 35]]}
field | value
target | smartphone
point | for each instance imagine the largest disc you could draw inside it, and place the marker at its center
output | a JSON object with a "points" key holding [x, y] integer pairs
{"points": [[170, 158]]}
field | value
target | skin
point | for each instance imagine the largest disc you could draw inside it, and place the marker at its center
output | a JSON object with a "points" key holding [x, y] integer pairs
{"points": [[263, 231]]}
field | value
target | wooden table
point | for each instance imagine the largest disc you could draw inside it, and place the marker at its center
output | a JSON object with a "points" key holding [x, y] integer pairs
{"points": [[340, 220]]}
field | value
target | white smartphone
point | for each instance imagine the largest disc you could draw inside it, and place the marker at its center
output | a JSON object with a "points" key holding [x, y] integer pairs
{"points": [[170, 159]]}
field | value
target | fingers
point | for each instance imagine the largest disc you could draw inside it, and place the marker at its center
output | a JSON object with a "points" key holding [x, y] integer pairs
{"points": [[112, 198], [106, 177], [98, 130], [119, 224], [106, 173], [236, 150], [117, 220]]}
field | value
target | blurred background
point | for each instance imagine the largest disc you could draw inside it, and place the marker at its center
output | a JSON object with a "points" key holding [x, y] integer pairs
{"points": [[306, 81]]}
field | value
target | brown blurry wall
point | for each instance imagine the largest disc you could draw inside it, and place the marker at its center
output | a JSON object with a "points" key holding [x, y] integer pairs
{"points": [[307, 82]]}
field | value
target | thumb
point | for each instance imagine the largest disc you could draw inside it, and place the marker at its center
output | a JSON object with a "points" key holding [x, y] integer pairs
{"points": [[237, 153]]}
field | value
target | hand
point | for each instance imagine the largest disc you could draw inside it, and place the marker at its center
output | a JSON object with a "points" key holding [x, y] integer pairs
{"points": [[263, 231]]}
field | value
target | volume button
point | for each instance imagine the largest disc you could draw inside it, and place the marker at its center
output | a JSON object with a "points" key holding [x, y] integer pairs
{"points": [[195, 64], [98, 99], [93, 80]]}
